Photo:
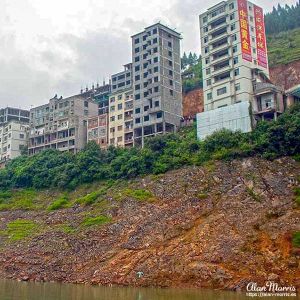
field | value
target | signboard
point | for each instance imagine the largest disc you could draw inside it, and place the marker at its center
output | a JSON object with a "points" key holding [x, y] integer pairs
{"points": [[260, 37], [244, 30]]}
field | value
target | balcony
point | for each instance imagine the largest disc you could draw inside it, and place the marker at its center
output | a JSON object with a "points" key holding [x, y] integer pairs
{"points": [[264, 87], [128, 117], [218, 33], [217, 23]]}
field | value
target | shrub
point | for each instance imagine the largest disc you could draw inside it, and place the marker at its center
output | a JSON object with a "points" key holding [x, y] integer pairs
{"points": [[296, 239], [139, 194]]}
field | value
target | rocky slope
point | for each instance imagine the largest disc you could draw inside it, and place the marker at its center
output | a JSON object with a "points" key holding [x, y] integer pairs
{"points": [[219, 226]]}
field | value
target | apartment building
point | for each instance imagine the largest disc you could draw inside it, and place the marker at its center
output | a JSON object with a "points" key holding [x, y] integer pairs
{"points": [[233, 46], [60, 124], [156, 82], [14, 125], [121, 109]]}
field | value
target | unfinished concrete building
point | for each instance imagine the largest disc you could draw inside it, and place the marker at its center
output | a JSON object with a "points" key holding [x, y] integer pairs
{"points": [[61, 124], [156, 81]]}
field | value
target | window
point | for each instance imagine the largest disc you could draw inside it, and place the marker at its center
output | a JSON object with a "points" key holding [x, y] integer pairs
{"points": [[112, 99], [137, 68], [120, 127], [205, 29], [112, 141], [86, 104], [136, 50], [231, 6], [137, 59], [155, 79], [138, 120], [155, 69], [222, 91], [209, 96], [21, 136], [205, 39], [137, 77], [146, 118], [137, 86], [137, 40], [155, 60], [208, 82], [156, 89], [237, 87], [233, 37], [119, 139], [204, 19], [156, 103], [231, 17], [170, 63], [112, 118], [251, 18], [120, 117], [146, 108], [171, 92], [145, 65], [154, 30], [254, 50], [170, 73], [112, 130], [159, 115], [170, 53], [137, 110], [235, 60], [155, 50], [120, 97], [170, 44], [234, 49], [112, 108], [207, 61], [155, 41], [171, 82], [120, 106], [237, 72], [232, 27], [206, 49], [137, 96], [207, 71]]}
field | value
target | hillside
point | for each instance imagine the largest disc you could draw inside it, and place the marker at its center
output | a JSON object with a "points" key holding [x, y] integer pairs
{"points": [[284, 47], [220, 225]]}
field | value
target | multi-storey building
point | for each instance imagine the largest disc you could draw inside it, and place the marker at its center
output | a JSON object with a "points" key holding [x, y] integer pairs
{"points": [[156, 82], [61, 124], [234, 52], [14, 124], [121, 109]]}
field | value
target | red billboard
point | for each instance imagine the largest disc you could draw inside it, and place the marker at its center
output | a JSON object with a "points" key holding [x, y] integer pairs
{"points": [[244, 30], [260, 37]]}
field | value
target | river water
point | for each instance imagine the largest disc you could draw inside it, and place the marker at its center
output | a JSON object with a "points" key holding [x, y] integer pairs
{"points": [[14, 290]]}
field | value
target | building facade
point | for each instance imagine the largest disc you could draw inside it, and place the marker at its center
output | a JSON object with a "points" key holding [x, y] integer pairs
{"points": [[156, 82], [61, 124], [97, 130], [233, 46], [14, 125]]}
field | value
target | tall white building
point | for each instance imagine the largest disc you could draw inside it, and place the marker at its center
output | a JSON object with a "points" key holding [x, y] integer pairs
{"points": [[14, 125], [234, 53]]}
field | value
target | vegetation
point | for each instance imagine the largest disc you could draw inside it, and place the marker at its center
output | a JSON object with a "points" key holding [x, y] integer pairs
{"points": [[283, 18], [61, 202], [297, 194], [99, 220], [284, 47], [296, 239], [191, 66], [53, 169], [139, 194], [20, 229]]}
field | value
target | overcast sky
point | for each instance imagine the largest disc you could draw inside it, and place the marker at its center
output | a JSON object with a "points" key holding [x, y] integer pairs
{"points": [[52, 47]]}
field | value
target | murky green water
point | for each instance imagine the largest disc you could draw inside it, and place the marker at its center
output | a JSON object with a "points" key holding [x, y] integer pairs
{"points": [[13, 290]]}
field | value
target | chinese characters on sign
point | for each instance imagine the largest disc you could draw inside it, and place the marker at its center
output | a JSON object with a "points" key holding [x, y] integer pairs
{"points": [[244, 29], [260, 37]]}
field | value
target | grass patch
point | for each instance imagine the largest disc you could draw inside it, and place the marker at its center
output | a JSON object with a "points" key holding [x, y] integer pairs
{"points": [[67, 229], [297, 194], [20, 229], [296, 239], [99, 220], [61, 202], [21, 199], [253, 195], [202, 196], [139, 195], [92, 197]]}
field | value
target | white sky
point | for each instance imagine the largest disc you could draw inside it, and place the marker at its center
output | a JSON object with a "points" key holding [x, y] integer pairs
{"points": [[52, 47]]}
